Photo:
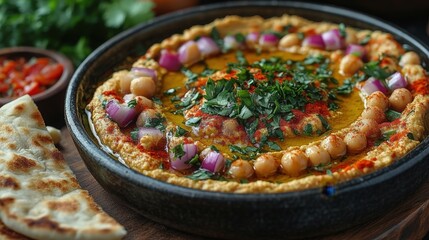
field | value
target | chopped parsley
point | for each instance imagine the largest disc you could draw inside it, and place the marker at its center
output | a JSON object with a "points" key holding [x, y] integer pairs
{"points": [[201, 174], [193, 121], [342, 29], [392, 115], [180, 132], [156, 122], [178, 151], [373, 69], [132, 103]]}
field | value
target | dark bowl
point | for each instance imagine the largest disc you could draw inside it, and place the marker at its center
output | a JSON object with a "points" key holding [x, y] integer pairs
{"points": [[51, 101], [298, 214]]}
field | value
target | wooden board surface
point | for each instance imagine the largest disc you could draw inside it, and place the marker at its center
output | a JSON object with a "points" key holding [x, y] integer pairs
{"points": [[409, 220]]}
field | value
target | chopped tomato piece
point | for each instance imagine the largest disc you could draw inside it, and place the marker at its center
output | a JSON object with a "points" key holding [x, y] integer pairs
{"points": [[33, 89], [21, 76], [51, 73]]}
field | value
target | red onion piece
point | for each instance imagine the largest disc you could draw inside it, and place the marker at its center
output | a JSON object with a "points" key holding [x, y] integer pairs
{"points": [[372, 85], [333, 39], [314, 41], [229, 42], [169, 60], [182, 163], [396, 81], [189, 53], [268, 40], [214, 162], [356, 50], [149, 132], [121, 114], [207, 47], [252, 38], [144, 72]]}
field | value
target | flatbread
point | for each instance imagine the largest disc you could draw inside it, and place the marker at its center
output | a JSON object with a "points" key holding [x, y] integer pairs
{"points": [[39, 194]]}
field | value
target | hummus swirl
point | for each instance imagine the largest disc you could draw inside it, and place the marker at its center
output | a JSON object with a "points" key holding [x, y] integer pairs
{"points": [[252, 105]]}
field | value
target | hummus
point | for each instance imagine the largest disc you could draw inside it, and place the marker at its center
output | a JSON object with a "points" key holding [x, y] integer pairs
{"points": [[253, 105]]}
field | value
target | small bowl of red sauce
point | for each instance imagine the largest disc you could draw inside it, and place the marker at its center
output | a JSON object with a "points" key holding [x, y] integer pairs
{"points": [[42, 74]]}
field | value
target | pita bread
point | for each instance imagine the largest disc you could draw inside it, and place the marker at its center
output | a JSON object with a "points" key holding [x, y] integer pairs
{"points": [[39, 194]]}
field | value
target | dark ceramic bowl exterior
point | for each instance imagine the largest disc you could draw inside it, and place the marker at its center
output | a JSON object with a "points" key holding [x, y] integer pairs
{"points": [[299, 214], [51, 101]]}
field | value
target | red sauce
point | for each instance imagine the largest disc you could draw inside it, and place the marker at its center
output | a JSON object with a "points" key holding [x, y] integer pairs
{"points": [[22, 76], [397, 136], [420, 86], [362, 164], [318, 107], [113, 94]]}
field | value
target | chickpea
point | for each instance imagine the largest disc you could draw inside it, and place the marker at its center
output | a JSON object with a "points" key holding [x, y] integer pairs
{"points": [[241, 169], [289, 40], [374, 113], [144, 116], [143, 86], [377, 99], [265, 165], [317, 155], [204, 153], [125, 83], [294, 162], [351, 37], [335, 146], [230, 126], [409, 58], [355, 142], [400, 98], [413, 72], [350, 64], [369, 127], [144, 102]]}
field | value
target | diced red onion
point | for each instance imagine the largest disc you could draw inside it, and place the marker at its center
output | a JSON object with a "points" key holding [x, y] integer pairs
{"points": [[149, 132], [189, 53], [144, 72], [372, 85], [356, 50], [252, 37], [214, 162], [121, 114], [396, 81], [190, 150], [229, 42], [333, 39], [268, 40], [169, 60], [207, 46], [314, 41]]}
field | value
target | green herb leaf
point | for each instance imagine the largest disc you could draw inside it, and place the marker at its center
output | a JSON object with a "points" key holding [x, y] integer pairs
{"points": [[193, 121], [180, 132], [410, 136], [179, 151], [342, 29], [201, 174], [135, 135], [392, 115], [132, 103], [374, 70]]}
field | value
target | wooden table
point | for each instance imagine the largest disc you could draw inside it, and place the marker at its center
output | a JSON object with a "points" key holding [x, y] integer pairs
{"points": [[409, 220]]}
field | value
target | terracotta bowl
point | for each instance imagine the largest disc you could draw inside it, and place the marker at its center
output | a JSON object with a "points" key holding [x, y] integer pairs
{"points": [[299, 214], [51, 101]]}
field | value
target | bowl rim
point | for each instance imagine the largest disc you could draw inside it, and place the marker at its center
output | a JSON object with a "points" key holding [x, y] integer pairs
{"points": [[58, 57], [82, 139]]}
